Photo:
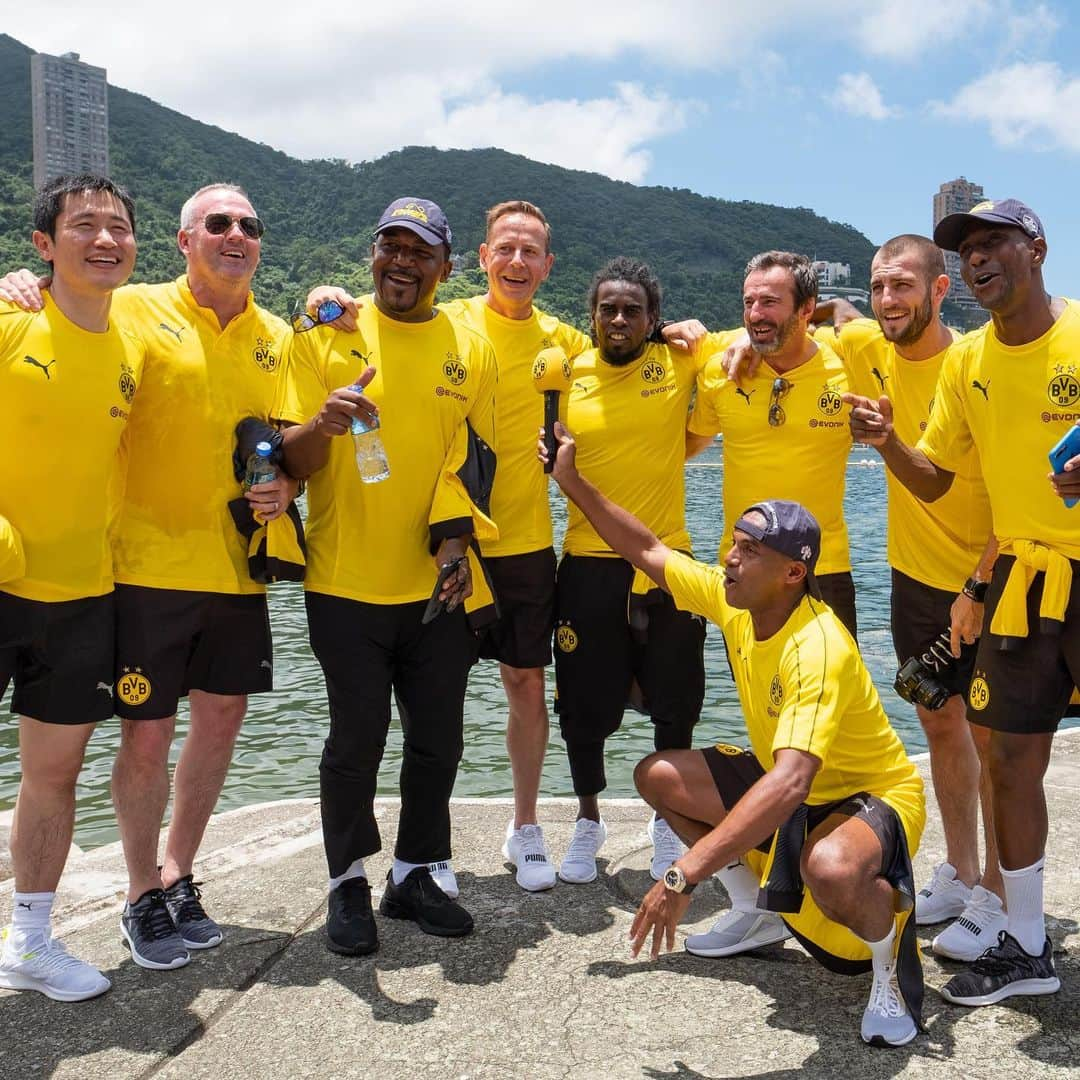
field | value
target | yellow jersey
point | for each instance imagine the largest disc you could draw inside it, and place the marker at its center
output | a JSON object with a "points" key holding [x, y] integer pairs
{"points": [[370, 542], [65, 396]]}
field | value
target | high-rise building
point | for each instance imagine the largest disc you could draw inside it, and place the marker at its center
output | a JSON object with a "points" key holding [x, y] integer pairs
{"points": [[70, 105], [957, 197]]}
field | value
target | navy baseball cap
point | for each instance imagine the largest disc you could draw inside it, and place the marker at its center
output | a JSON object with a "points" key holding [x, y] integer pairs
{"points": [[950, 230], [790, 529], [420, 216]]}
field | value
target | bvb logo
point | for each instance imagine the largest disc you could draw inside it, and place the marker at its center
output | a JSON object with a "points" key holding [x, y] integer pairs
{"points": [[979, 694], [776, 690], [539, 367], [1064, 389], [727, 748], [127, 384], [263, 355], [653, 372], [829, 403], [454, 369], [133, 688], [566, 639]]}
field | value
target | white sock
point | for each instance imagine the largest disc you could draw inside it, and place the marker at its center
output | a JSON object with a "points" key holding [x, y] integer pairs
{"points": [[356, 869], [401, 870], [1024, 904], [741, 884], [31, 914], [881, 952]]}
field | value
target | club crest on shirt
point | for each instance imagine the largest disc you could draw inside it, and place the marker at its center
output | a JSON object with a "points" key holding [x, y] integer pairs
{"points": [[127, 382], [1064, 388], [263, 354], [776, 690], [979, 692], [454, 370], [565, 638], [133, 687], [829, 402], [652, 371]]}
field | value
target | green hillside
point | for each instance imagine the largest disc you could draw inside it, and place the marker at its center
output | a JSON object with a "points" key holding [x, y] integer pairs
{"points": [[319, 214]]}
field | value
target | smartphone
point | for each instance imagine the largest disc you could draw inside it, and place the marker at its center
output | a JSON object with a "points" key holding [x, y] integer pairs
{"points": [[435, 606], [1068, 447]]}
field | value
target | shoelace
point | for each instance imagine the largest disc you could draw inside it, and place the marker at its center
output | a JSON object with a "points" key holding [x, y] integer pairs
{"points": [[995, 961], [884, 999], [189, 894], [531, 842], [665, 843], [981, 910], [583, 842], [937, 882], [54, 958], [155, 921]]}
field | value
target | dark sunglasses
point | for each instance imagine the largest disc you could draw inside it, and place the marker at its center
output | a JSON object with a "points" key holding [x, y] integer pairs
{"points": [[219, 224], [326, 312], [780, 389]]}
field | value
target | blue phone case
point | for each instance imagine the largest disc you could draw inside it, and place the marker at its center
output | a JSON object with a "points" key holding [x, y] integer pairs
{"points": [[1067, 447]]}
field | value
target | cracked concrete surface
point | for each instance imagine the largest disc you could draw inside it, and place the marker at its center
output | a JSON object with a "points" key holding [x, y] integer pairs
{"points": [[544, 988]]}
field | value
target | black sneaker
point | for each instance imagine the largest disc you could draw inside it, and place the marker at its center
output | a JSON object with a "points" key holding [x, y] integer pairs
{"points": [[350, 924], [420, 899], [1002, 971], [194, 926], [148, 928]]}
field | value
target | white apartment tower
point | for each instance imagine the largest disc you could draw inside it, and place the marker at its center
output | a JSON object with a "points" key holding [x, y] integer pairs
{"points": [[71, 116]]}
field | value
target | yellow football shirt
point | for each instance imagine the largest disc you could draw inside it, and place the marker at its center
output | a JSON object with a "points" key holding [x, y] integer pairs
{"points": [[175, 530], [629, 424], [65, 394], [369, 542], [1012, 404], [937, 543], [804, 458], [519, 500]]}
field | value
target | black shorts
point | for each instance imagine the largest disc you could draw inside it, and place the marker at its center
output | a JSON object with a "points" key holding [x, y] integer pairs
{"points": [[60, 656], [918, 613], [1025, 688], [525, 588], [838, 591], [735, 770], [171, 641]]}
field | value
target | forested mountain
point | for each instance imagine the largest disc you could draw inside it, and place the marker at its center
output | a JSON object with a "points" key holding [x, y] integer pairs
{"points": [[319, 214]]}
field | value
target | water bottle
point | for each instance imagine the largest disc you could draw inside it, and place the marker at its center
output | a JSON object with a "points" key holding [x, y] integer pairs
{"points": [[260, 469], [370, 455]]}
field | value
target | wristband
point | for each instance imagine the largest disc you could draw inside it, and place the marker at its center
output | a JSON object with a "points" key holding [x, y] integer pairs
{"points": [[657, 336], [975, 590]]}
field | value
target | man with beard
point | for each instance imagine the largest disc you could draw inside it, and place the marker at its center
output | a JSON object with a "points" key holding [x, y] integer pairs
{"points": [[375, 550], [1009, 391], [627, 407]]}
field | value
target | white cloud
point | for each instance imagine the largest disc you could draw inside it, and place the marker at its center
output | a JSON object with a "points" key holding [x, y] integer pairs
{"points": [[859, 95], [1034, 105]]}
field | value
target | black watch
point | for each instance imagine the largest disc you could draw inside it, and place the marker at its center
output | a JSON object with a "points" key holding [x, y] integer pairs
{"points": [[657, 335], [675, 880], [975, 590]]}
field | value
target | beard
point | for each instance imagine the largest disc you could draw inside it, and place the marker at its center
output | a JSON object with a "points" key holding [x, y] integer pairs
{"points": [[920, 320], [784, 333]]}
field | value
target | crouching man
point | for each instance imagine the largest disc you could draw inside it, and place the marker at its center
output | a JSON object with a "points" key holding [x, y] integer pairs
{"points": [[826, 809]]}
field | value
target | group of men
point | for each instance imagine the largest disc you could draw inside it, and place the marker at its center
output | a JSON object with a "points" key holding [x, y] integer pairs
{"points": [[825, 802]]}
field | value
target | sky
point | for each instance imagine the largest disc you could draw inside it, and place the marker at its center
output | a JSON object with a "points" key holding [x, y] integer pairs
{"points": [[856, 111]]}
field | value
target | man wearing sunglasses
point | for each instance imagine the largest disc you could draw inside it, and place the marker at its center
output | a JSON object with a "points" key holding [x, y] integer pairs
{"points": [[190, 621]]}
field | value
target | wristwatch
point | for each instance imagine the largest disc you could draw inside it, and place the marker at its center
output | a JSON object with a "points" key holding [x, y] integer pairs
{"points": [[675, 880], [975, 590]]}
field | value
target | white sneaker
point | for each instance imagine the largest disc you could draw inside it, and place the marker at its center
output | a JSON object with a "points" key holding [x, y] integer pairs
{"points": [[976, 930], [579, 865], [442, 873], [943, 897], [886, 1021], [667, 847], [738, 931], [43, 964], [526, 849]]}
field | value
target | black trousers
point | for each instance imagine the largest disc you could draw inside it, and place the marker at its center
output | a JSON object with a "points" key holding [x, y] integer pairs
{"points": [[367, 652]]}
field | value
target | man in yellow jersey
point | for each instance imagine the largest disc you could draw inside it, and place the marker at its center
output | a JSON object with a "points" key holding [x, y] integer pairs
{"points": [[430, 381], [68, 379], [1010, 391], [784, 435], [628, 405], [826, 797], [190, 620], [516, 255]]}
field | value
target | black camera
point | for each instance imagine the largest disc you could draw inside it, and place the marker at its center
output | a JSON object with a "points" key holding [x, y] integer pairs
{"points": [[917, 680]]}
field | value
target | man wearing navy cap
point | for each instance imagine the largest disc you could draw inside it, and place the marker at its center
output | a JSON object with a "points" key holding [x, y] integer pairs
{"points": [[826, 797], [1011, 390], [375, 548]]}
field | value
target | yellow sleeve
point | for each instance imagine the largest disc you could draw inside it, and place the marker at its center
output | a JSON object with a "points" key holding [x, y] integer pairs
{"points": [[572, 340], [705, 417], [947, 439], [698, 587], [12, 558], [304, 388]]}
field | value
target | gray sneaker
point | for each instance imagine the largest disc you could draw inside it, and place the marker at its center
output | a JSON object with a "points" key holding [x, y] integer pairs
{"points": [[148, 928], [738, 932], [197, 929]]}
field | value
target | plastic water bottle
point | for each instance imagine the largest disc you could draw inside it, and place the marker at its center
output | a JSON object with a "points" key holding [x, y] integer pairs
{"points": [[260, 469], [370, 455]]}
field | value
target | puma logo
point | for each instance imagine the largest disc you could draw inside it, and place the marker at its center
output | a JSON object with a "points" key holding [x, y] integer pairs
{"points": [[37, 363], [359, 355], [107, 687], [22, 903], [882, 379], [175, 333], [984, 390], [743, 394]]}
